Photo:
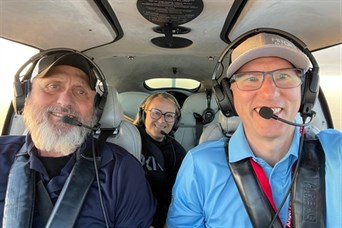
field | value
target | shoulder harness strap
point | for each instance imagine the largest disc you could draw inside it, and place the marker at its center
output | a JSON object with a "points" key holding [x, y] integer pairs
{"points": [[70, 201], [19, 203], [20, 193], [308, 191], [258, 207], [74, 192]]}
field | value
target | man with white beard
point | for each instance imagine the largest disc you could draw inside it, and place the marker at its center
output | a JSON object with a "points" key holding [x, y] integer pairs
{"points": [[50, 178]]}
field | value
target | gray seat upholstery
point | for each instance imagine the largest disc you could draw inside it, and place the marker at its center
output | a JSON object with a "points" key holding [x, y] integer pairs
{"points": [[195, 103], [131, 101], [125, 134], [224, 127]]}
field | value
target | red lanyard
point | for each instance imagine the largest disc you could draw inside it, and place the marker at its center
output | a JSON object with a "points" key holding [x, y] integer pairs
{"points": [[265, 185]]}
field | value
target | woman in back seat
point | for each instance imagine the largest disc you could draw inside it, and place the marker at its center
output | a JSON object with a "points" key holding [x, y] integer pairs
{"points": [[162, 155]]}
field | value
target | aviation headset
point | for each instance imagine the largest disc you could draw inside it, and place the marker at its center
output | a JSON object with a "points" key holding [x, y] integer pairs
{"points": [[208, 114], [146, 103], [310, 86], [22, 84]]}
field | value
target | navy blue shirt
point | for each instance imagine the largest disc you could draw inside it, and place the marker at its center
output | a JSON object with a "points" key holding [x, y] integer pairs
{"points": [[127, 197]]}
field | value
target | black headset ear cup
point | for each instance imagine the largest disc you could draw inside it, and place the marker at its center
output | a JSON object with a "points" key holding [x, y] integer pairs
{"points": [[100, 102], [208, 115], [176, 124], [178, 118], [224, 98], [20, 92], [22, 87], [141, 117], [310, 90]]}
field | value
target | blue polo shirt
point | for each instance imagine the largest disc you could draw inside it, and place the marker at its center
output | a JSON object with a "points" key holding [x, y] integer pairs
{"points": [[127, 197], [205, 194]]}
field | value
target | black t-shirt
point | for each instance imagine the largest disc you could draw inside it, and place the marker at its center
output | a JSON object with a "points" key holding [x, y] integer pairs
{"points": [[161, 162], [54, 165]]}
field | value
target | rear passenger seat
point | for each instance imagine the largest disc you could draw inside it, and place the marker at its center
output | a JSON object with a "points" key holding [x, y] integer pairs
{"points": [[226, 126], [186, 134], [125, 133], [130, 103], [195, 103]]}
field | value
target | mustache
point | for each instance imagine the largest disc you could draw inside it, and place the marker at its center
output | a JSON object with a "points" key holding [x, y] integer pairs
{"points": [[68, 111]]}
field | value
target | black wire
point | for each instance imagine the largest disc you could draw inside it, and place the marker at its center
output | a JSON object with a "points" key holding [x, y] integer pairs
{"points": [[98, 183], [292, 181]]}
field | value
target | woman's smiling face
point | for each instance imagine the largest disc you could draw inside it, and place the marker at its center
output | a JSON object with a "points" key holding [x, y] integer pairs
{"points": [[154, 127]]}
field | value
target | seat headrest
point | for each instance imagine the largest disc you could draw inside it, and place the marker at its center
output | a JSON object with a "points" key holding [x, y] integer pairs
{"points": [[197, 102], [225, 127], [112, 114], [126, 134], [131, 101], [229, 124]]}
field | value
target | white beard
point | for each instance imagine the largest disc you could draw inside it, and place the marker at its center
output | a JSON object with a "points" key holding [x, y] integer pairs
{"points": [[58, 139]]}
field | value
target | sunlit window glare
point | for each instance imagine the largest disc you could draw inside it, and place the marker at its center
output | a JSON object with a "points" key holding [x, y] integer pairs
{"points": [[179, 83], [330, 64], [12, 57]]}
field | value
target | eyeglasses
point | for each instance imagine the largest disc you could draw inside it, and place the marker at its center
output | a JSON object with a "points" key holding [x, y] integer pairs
{"points": [[168, 116], [283, 78]]}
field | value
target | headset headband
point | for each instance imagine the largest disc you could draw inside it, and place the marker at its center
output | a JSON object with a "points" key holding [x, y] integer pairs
{"points": [[310, 88], [22, 85]]}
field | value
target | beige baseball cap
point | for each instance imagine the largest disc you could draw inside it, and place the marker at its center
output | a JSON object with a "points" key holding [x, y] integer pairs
{"points": [[265, 45]]}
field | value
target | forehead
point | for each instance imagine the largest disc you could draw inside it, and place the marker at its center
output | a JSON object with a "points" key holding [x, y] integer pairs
{"points": [[163, 104], [67, 73]]}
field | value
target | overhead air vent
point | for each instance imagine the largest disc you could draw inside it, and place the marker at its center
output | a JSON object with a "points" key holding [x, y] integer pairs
{"points": [[169, 15]]}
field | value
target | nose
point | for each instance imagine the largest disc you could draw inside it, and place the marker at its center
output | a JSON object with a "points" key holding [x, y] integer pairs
{"points": [[268, 86], [161, 119], [65, 98]]}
